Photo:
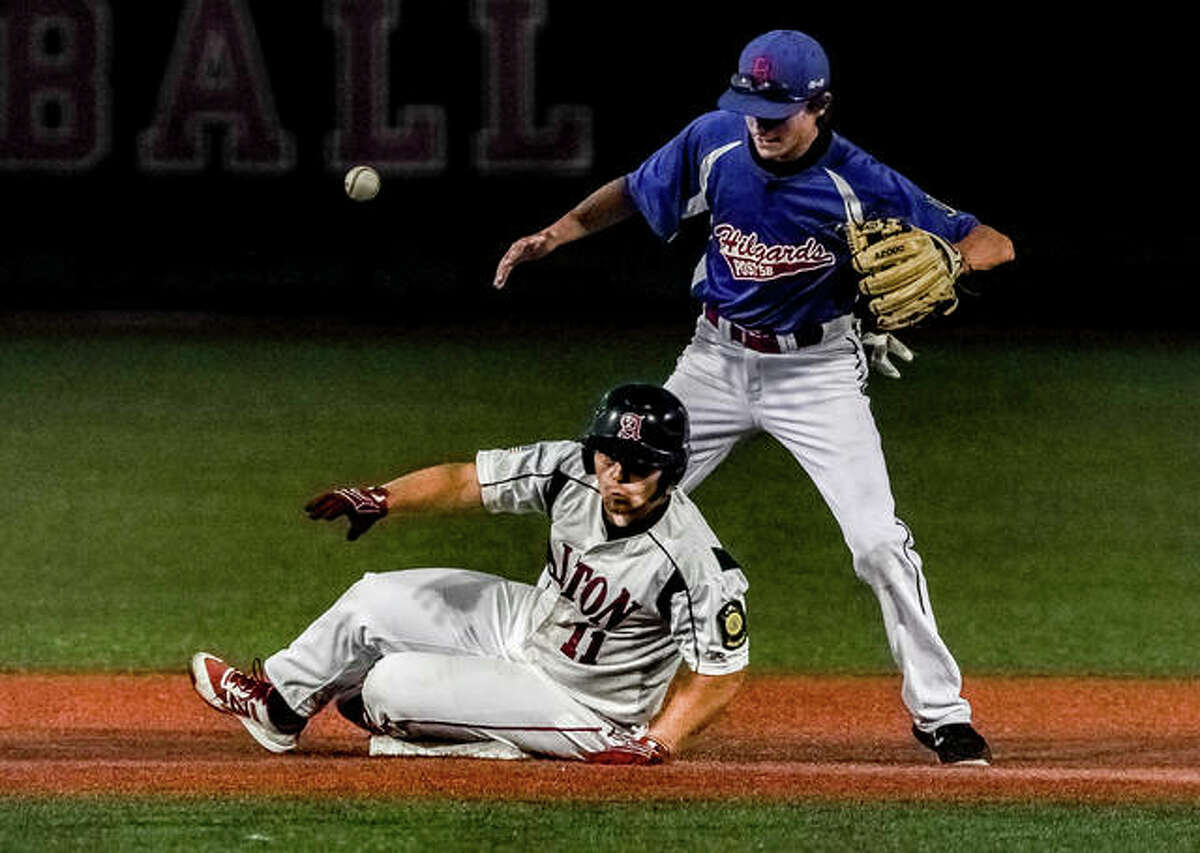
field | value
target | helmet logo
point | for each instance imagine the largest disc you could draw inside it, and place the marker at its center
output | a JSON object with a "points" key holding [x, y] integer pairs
{"points": [[761, 69], [631, 427]]}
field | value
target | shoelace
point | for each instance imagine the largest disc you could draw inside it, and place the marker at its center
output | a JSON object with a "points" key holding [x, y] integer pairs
{"points": [[247, 694]]}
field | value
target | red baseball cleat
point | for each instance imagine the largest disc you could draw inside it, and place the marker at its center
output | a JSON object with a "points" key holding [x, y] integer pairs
{"points": [[231, 691]]}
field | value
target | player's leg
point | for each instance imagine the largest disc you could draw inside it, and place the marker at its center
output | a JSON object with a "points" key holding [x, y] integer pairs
{"points": [[451, 611], [709, 379], [815, 407], [454, 698], [448, 611]]}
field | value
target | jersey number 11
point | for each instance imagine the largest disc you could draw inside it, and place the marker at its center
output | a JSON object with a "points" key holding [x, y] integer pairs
{"points": [[571, 647]]}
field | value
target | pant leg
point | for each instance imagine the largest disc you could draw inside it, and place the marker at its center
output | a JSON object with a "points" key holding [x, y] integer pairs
{"points": [[709, 379], [813, 403], [429, 695], [446, 611]]}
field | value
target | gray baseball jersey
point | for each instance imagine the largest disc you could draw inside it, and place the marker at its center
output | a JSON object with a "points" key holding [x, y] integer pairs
{"points": [[631, 602]]}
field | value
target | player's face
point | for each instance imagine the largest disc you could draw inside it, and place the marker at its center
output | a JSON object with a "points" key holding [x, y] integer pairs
{"points": [[627, 492], [783, 138]]}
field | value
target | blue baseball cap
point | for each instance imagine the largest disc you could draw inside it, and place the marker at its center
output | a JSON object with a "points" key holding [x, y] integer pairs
{"points": [[777, 74]]}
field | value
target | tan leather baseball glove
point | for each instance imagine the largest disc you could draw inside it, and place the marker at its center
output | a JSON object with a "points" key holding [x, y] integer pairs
{"points": [[907, 275]]}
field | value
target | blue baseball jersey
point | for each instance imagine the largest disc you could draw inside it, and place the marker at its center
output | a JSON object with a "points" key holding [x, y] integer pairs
{"points": [[776, 258]]}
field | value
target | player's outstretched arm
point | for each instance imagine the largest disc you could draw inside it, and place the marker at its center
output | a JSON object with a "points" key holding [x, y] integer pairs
{"points": [[606, 206], [442, 488]]}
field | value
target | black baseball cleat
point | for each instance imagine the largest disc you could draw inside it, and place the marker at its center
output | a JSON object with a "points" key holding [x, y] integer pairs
{"points": [[956, 743]]}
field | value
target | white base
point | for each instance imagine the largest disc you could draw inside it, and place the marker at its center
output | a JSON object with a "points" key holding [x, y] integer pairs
{"points": [[382, 745]]}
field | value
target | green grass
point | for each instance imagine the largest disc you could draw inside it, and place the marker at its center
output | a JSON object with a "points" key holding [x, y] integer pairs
{"points": [[299, 825], [151, 506], [154, 484]]}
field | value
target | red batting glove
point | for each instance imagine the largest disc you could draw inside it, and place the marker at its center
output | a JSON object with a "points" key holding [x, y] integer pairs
{"points": [[642, 750], [363, 507]]}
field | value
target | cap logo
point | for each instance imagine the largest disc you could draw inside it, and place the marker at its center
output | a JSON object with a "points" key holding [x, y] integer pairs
{"points": [[631, 427], [761, 69]]}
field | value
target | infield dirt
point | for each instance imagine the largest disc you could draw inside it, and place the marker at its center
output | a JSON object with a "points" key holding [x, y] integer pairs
{"points": [[784, 738]]}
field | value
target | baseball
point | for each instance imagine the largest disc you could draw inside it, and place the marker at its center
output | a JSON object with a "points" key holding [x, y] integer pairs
{"points": [[362, 183]]}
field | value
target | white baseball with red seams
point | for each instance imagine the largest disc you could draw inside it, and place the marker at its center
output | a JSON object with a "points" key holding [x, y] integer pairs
{"points": [[362, 183]]}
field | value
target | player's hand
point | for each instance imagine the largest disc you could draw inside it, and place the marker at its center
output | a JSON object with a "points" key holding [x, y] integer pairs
{"points": [[526, 249], [363, 507], [880, 347], [642, 750]]}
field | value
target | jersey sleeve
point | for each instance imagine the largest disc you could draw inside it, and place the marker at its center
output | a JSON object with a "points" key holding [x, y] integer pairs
{"points": [[662, 185], [708, 616], [520, 479], [903, 198]]}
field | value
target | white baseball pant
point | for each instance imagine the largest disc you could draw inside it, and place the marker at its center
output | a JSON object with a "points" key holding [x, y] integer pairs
{"points": [[812, 400], [436, 655]]}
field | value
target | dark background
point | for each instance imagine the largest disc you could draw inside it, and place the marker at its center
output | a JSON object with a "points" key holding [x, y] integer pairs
{"points": [[1065, 135]]}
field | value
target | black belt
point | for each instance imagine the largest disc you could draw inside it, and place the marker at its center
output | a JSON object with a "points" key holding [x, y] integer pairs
{"points": [[769, 342]]}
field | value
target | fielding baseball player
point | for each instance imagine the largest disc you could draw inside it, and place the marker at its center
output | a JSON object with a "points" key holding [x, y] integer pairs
{"points": [[575, 667], [816, 252]]}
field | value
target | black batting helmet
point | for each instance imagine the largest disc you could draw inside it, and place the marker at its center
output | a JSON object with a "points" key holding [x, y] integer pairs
{"points": [[643, 425]]}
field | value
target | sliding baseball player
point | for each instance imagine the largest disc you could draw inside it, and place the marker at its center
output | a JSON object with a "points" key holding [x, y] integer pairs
{"points": [[576, 666]]}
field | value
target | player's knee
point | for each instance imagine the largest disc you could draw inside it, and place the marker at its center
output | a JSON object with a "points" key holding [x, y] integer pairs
{"points": [[882, 563], [365, 593], [377, 685]]}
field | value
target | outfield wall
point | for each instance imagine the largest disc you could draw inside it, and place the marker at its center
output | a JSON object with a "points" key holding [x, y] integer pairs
{"points": [[189, 154]]}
